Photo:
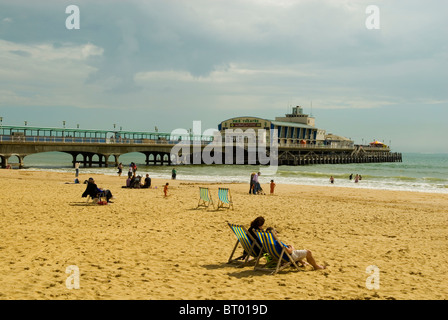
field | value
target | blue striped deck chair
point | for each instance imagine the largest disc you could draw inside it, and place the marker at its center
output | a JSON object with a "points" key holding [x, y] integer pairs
{"points": [[246, 241], [268, 241], [224, 198], [205, 198]]}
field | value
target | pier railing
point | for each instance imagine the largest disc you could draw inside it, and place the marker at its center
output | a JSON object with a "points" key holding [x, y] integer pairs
{"points": [[40, 139], [162, 141]]}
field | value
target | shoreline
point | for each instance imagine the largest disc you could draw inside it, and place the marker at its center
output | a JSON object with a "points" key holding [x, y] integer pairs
{"points": [[145, 246], [358, 186]]}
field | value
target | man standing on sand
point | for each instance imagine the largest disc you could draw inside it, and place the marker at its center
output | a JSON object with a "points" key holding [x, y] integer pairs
{"points": [[256, 183], [76, 169], [173, 174]]}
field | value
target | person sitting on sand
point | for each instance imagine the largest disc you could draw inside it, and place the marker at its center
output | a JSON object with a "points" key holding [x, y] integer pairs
{"points": [[128, 182], [137, 182], [147, 182], [92, 190], [297, 255], [131, 183]]}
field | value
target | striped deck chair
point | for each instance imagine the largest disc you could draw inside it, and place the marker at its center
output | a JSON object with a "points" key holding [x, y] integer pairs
{"points": [[268, 241], [224, 198], [205, 198], [246, 241]]}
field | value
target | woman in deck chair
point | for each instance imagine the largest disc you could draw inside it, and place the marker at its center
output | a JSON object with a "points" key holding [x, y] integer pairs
{"points": [[297, 255], [257, 224], [92, 190]]}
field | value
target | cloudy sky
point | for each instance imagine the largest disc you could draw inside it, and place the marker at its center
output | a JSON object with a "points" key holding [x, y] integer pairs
{"points": [[166, 63]]}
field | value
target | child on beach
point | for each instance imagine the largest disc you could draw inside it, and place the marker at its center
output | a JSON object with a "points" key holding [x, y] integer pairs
{"points": [[272, 185], [165, 189]]}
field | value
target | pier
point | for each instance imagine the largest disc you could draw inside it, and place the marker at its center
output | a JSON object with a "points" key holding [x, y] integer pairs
{"points": [[103, 148]]}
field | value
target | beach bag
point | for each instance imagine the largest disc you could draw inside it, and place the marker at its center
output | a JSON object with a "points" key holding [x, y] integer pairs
{"points": [[102, 203]]}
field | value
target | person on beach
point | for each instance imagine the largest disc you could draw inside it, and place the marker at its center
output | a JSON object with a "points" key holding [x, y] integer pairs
{"points": [[120, 169], [256, 224], [257, 186], [147, 182], [356, 178], [297, 255], [137, 182], [251, 188], [173, 174], [350, 177], [128, 183], [272, 186], [92, 190], [331, 180], [130, 174], [165, 189], [76, 169]]}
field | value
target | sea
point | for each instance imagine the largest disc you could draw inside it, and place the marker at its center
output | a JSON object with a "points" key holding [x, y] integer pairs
{"points": [[420, 172]]}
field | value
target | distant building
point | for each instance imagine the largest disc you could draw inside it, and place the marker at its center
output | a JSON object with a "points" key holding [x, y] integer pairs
{"points": [[293, 129]]}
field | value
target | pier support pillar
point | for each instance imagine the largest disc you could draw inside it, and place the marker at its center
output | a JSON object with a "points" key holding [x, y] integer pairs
{"points": [[21, 157], [4, 161]]}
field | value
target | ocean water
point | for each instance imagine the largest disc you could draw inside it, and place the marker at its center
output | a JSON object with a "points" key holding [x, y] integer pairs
{"points": [[417, 172]]}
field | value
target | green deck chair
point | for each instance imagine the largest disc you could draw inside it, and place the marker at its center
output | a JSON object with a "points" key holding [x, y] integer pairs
{"points": [[246, 241], [268, 240], [224, 198], [205, 198]]}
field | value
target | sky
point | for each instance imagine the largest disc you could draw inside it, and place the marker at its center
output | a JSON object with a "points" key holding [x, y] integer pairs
{"points": [[166, 63]]}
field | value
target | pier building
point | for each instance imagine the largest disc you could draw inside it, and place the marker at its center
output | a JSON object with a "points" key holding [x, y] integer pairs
{"points": [[294, 129]]}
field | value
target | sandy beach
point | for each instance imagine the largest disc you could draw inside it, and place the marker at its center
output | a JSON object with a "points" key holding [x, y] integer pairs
{"points": [[146, 246]]}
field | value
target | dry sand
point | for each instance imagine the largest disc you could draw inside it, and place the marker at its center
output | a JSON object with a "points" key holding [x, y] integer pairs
{"points": [[145, 246]]}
